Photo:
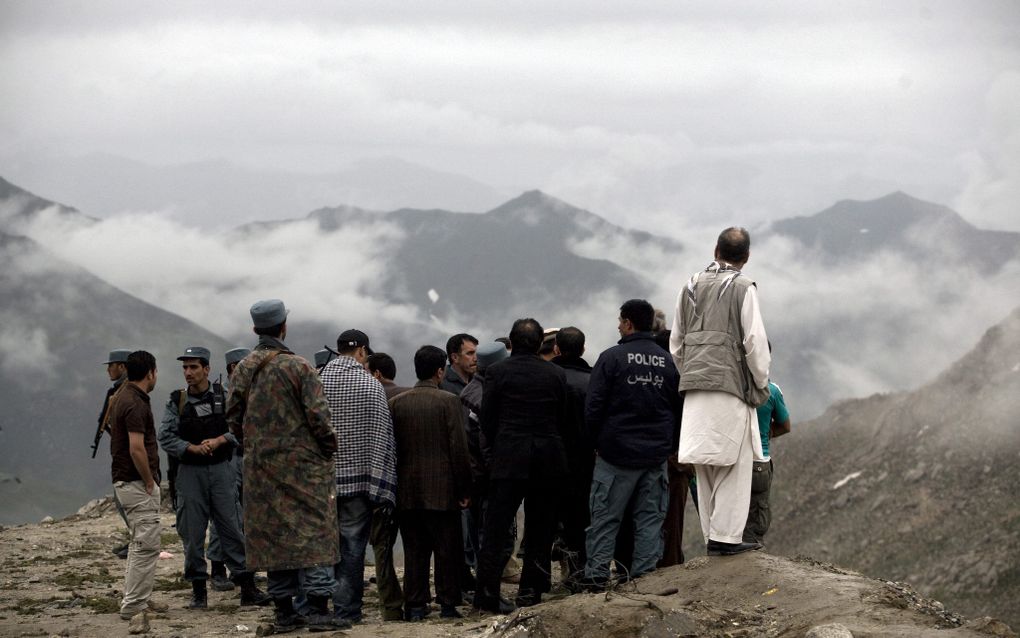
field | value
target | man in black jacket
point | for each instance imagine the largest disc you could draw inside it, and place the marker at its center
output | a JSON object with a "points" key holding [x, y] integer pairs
{"points": [[574, 514], [632, 409], [523, 411]]}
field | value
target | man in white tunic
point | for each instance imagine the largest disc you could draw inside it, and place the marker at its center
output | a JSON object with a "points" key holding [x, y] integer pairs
{"points": [[720, 347]]}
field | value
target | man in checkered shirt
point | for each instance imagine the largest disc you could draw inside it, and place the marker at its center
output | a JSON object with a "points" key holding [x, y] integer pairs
{"points": [[366, 462]]}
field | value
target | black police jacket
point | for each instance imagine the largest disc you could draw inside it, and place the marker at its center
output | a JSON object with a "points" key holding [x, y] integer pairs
{"points": [[633, 405]]}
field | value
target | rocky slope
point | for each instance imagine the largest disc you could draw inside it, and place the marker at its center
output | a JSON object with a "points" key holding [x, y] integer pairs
{"points": [[922, 486], [60, 579]]}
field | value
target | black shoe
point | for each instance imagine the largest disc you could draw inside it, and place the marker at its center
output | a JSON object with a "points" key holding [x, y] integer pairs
{"points": [[252, 595], [287, 619], [593, 585], [218, 576], [528, 598], [718, 548], [493, 604], [416, 614], [121, 551], [449, 611], [320, 620], [199, 595]]}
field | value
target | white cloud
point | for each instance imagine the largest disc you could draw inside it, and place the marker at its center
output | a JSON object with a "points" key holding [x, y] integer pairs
{"points": [[213, 279], [25, 352], [991, 197]]}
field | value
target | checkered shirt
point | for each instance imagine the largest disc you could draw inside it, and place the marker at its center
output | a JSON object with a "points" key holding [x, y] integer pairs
{"points": [[366, 457]]}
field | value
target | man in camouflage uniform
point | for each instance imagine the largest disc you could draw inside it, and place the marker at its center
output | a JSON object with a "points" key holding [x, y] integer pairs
{"points": [[277, 411]]}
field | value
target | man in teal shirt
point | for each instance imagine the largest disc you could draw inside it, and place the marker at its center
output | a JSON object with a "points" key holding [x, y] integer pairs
{"points": [[773, 421]]}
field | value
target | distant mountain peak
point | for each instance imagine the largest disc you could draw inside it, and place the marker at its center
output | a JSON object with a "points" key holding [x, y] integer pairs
{"points": [[531, 200], [898, 222]]}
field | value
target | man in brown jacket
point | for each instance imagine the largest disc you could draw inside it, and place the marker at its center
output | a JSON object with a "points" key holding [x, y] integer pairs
{"points": [[433, 485]]}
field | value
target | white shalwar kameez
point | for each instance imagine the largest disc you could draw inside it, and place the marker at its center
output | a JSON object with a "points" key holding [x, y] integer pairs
{"points": [[719, 433]]}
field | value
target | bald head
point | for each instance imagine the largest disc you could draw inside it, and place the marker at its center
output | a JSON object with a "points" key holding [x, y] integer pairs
{"points": [[733, 246]]}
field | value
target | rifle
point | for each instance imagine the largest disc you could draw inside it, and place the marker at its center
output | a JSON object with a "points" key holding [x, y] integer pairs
{"points": [[104, 420]]}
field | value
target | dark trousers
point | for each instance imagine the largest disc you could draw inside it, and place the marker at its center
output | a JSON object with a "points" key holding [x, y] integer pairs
{"points": [[575, 515], [426, 533], [355, 514], [313, 581], [208, 493], [673, 528], [540, 498], [383, 537], [759, 515]]}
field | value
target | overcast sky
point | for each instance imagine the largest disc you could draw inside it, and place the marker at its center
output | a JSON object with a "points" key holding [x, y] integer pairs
{"points": [[642, 112]]}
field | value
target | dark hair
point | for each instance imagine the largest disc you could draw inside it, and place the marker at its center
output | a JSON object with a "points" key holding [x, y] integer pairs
{"points": [[383, 364], [526, 336], [734, 245], [139, 364], [454, 344], [427, 360], [271, 331], [345, 348], [231, 366], [570, 341], [640, 313]]}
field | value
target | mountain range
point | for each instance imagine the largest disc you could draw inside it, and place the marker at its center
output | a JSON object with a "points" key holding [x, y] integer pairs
{"points": [[414, 276], [920, 486], [60, 322]]}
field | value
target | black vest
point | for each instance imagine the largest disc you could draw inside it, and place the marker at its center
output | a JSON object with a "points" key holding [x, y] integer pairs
{"points": [[194, 428]]}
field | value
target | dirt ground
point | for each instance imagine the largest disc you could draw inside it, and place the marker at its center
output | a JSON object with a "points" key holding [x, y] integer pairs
{"points": [[60, 579]]}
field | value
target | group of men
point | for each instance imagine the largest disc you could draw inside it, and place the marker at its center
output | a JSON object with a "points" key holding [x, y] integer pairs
{"points": [[339, 457]]}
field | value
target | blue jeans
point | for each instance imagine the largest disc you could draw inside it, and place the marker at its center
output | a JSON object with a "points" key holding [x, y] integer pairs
{"points": [[355, 516], [612, 488]]}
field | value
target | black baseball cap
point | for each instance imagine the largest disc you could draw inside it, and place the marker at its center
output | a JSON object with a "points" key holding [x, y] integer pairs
{"points": [[352, 339]]}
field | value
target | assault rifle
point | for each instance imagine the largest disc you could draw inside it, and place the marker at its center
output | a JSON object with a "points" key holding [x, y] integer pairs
{"points": [[104, 419]]}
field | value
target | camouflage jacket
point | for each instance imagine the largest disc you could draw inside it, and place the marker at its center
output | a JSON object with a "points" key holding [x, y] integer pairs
{"points": [[280, 416]]}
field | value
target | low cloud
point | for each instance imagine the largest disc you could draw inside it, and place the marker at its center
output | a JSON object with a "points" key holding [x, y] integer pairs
{"points": [[991, 196], [840, 330], [25, 353], [213, 279]]}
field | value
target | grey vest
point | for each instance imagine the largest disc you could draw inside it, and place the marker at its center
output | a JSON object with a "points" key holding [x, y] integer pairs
{"points": [[713, 347]]}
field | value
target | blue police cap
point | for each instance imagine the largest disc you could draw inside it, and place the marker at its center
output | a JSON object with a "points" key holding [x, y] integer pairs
{"points": [[117, 356], [236, 355], [268, 313], [195, 352]]}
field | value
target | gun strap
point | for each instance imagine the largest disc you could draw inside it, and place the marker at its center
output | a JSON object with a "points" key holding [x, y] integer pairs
{"points": [[109, 407]]}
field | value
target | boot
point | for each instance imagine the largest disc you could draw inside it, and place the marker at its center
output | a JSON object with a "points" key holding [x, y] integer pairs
{"points": [[287, 619], [320, 619], [199, 595], [252, 595], [220, 582]]}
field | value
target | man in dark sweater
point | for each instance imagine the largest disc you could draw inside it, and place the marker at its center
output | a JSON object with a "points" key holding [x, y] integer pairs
{"points": [[524, 408], [632, 409]]}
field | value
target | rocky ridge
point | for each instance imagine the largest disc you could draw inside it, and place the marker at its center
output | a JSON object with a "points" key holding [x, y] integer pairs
{"points": [[60, 579]]}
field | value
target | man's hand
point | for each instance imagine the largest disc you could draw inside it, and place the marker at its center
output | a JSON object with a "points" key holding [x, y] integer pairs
{"points": [[212, 444], [149, 486], [199, 450]]}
